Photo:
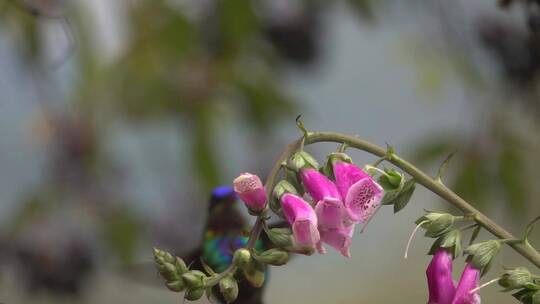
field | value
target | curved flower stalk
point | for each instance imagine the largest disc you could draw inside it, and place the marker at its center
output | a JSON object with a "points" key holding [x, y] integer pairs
{"points": [[341, 197]]}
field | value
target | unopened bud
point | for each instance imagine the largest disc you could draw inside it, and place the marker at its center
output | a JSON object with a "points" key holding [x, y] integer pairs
{"points": [[254, 273], [194, 294], [516, 278], [276, 257], [436, 223], [301, 160], [228, 286], [481, 254], [333, 158], [281, 237], [282, 187], [451, 240], [175, 286], [194, 279], [241, 257]]}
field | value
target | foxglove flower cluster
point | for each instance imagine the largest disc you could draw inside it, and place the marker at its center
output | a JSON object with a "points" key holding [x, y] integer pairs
{"points": [[335, 207]]}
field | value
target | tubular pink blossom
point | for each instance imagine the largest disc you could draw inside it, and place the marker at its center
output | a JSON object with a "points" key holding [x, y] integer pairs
{"points": [[339, 238], [318, 185], [439, 277], [470, 279], [347, 175], [251, 190], [303, 220], [362, 200], [330, 213]]}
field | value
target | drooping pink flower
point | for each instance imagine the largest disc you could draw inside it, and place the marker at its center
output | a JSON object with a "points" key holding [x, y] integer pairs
{"points": [[339, 238], [439, 278], [251, 190], [361, 192], [318, 186], [470, 279], [330, 213], [303, 220]]}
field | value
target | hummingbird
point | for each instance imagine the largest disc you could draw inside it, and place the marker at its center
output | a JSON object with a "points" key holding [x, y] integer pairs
{"points": [[223, 234]]}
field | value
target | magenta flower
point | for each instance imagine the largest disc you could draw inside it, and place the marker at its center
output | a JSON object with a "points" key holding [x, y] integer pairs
{"points": [[362, 194], [251, 190], [339, 238], [470, 279], [439, 277], [303, 220], [318, 185], [330, 213]]}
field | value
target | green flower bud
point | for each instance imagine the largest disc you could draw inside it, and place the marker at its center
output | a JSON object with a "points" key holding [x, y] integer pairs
{"points": [[328, 169], [228, 286], [181, 266], [481, 254], [241, 257], [436, 223], [450, 240], [194, 294], [254, 273], [279, 190], [176, 286], [161, 257], [281, 237], [516, 278], [392, 180], [301, 160], [168, 272], [194, 279], [276, 257]]}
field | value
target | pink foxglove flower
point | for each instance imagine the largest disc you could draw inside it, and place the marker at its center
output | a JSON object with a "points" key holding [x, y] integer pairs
{"points": [[318, 185], [303, 220], [330, 213], [470, 279], [339, 238], [251, 190], [439, 278], [362, 194]]}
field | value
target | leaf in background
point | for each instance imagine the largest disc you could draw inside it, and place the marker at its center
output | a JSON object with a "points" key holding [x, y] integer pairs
{"points": [[473, 179], [512, 176]]}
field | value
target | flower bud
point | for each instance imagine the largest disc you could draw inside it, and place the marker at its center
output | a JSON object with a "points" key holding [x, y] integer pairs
{"points": [[436, 223], [194, 294], [516, 278], [450, 241], [318, 186], [481, 254], [283, 187], [176, 286], [254, 273], [241, 257], [281, 237], [251, 190], [276, 257], [168, 272], [334, 158], [228, 286], [194, 279], [181, 266], [302, 160]]}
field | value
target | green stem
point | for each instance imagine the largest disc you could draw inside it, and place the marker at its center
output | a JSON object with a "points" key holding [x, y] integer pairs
{"points": [[422, 178]]}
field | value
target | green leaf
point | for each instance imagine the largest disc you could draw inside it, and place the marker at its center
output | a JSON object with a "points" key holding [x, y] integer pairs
{"points": [[405, 195]]}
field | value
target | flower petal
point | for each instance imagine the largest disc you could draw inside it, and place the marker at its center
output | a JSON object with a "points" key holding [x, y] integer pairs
{"points": [[363, 198], [439, 276], [347, 175], [330, 213], [470, 279], [340, 239], [317, 185]]}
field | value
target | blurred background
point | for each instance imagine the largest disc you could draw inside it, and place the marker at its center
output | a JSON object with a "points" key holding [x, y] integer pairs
{"points": [[117, 118]]}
